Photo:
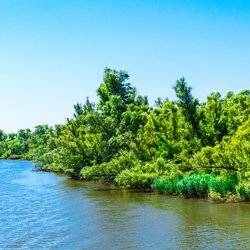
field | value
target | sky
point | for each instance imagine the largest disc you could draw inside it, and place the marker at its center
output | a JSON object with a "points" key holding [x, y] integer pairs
{"points": [[53, 52]]}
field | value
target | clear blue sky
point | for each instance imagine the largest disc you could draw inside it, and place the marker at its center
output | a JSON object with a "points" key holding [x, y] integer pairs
{"points": [[53, 52]]}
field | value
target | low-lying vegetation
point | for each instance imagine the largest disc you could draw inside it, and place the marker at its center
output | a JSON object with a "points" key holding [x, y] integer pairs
{"points": [[198, 185]]}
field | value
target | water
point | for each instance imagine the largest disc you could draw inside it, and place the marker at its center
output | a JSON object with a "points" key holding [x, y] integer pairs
{"points": [[45, 211]]}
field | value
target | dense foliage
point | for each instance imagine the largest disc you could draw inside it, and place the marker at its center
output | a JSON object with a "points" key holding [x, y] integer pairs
{"points": [[178, 147]]}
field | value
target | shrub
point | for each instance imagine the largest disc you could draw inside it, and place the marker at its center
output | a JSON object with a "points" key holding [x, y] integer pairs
{"points": [[223, 185], [195, 185], [213, 196], [166, 185], [109, 170], [243, 190], [199, 185], [133, 179]]}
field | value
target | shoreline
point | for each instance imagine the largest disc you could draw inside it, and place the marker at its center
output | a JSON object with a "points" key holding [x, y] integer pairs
{"points": [[222, 200], [227, 199]]}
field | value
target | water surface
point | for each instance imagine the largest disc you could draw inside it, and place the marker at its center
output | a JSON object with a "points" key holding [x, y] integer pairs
{"points": [[45, 211]]}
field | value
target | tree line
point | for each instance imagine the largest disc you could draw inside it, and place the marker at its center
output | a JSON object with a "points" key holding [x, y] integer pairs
{"points": [[187, 147]]}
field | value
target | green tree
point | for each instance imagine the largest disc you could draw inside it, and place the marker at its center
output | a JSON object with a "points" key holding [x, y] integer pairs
{"points": [[188, 103]]}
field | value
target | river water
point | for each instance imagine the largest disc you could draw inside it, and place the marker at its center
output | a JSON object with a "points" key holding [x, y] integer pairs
{"points": [[45, 211]]}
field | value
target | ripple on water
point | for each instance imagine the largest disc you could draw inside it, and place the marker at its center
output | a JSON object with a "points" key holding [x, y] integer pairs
{"points": [[44, 211]]}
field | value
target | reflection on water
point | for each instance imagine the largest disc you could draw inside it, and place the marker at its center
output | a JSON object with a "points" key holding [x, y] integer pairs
{"points": [[44, 211]]}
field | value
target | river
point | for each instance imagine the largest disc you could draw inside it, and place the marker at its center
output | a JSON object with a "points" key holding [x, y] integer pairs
{"points": [[41, 210]]}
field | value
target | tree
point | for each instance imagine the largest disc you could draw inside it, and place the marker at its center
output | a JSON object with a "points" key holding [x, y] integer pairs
{"points": [[188, 103]]}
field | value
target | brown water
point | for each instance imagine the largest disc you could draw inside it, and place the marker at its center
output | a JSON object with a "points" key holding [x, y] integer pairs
{"points": [[45, 211]]}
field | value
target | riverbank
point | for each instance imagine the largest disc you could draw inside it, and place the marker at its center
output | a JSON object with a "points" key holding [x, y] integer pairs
{"points": [[214, 188]]}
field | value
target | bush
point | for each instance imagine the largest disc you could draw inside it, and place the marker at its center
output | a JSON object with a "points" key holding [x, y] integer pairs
{"points": [[133, 179], [199, 186], [223, 185], [196, 185], [166, 185], [243, 190], [213, 196], [109, 170]]}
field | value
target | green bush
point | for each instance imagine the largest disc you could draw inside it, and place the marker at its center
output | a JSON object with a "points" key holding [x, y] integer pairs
{"points": [[196, 185], [166, 185], [133, 179], [109, 170], [223, 185], [213, 196], [243, 190]]}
